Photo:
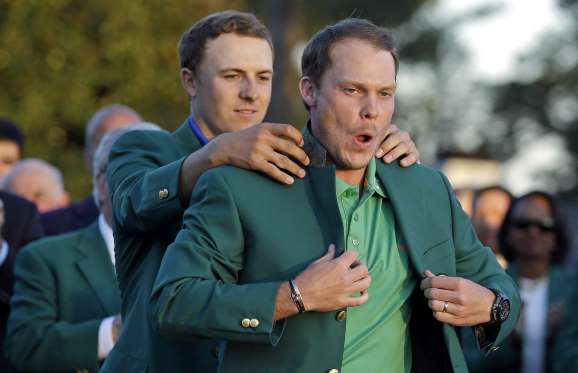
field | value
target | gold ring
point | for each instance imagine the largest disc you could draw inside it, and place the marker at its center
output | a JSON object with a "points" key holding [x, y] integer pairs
{"points": [[445, 307]]}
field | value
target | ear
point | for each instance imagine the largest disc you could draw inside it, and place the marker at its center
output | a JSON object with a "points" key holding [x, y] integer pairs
{"points": [[189, 82], [308, 91]]}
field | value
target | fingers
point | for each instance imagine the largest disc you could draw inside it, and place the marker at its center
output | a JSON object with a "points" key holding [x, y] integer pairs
{"points": [[288, 148], [273, 172], [329, 254], [348, 258], [441, 295], [287, 131], [358, 273], [361, 286], [440, 282], [357, 301], [397, 144]]}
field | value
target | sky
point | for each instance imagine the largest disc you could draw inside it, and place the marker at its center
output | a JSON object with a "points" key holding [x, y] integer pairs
{"points": [[494, 43], [497, 40]]}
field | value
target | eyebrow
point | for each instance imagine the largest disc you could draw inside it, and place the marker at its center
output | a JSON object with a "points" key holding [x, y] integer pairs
{"points": [[359, 84], [241, 71]]}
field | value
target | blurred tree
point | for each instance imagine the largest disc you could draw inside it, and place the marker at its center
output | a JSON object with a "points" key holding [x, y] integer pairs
{"points": [[61, 60]]}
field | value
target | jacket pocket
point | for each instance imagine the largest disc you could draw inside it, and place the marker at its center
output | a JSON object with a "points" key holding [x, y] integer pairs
{"points": [[440, 258]]}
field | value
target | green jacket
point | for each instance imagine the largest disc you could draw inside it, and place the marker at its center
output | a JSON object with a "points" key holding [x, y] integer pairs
{"points": [[565, 350], [65, 286], [243, 234], [143, 173], [508, 358]]}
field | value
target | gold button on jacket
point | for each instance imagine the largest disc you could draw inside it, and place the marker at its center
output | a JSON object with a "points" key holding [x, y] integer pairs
{"points": [[246, 323], [341, 315], [333, 371], [163, 193], [254, 323]]}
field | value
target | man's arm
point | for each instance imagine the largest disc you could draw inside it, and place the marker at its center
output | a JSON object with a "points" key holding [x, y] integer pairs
{"points": [[468, 295], [35, 339], [196, 290]]}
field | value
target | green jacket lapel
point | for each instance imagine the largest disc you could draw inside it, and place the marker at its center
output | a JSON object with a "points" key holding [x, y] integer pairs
{"points": [[323, 188], [95, 265], [186, 139], [420, 232]]}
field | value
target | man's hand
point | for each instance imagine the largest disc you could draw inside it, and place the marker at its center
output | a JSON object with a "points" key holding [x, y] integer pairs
{"points": [[468, 303], [328, 284], [266, 147], [397, 144]]}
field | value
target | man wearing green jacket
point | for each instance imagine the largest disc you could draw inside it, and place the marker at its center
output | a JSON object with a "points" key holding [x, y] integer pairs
{"points": [[65, 308], [402, 265], [227, 63]]}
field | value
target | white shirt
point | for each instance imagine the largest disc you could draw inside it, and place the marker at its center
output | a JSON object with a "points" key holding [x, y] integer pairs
{"points": [[3, 252], [105, 341], [534, 294]]}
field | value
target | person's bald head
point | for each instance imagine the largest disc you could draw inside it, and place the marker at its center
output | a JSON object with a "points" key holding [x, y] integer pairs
{"points": [[105, 120], [39, 182]]}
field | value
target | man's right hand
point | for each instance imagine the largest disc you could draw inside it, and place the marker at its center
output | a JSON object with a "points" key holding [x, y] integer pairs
{"points": [[328, 284], [271, 148]]}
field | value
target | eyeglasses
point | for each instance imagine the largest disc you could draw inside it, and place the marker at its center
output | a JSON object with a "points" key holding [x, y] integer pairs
{"points": [[544, 225]]}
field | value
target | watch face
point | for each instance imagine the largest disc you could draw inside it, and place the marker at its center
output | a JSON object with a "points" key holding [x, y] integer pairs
{"points": [[504, 309]]}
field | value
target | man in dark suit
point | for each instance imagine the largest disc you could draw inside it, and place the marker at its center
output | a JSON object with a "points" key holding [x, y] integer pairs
{"points": [[66, 301], [21, 226], [151, 174], [403, 267], [81, 214]]}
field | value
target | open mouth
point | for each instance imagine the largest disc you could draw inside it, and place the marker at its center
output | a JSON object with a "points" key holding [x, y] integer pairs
{"points": [[363, 139]]}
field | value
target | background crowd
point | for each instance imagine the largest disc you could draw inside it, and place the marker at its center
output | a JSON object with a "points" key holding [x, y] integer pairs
{"points": [[49, 187]]}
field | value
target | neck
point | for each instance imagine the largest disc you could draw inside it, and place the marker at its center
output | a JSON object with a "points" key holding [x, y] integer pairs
{"points": [[202, 125], [533, 268], [351, 177]]}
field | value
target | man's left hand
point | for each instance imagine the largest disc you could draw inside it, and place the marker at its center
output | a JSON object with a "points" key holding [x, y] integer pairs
{"points": [[457, 301], [398, 144]]}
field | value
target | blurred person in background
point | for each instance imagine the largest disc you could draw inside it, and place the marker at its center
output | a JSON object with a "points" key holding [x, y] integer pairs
{"points": [[38, 181], [465, 196], [20, 225], [81, 214], [533, 239], [489, 207], [66, 303], [11, 145]]}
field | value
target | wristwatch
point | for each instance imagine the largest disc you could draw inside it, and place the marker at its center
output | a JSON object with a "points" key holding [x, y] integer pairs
{"points": [[500, 309]]}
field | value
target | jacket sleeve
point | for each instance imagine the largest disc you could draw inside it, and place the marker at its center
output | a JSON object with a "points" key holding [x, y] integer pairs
{"points": [[143, 185], [477, 263], [196, 291], [36, 340]]}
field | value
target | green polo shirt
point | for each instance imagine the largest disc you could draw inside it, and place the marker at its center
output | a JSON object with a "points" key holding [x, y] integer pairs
{"points": [[377, 333]]}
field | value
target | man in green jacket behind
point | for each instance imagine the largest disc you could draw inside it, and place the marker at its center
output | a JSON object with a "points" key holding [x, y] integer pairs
{"points": [[226, 70], [278, 272]]}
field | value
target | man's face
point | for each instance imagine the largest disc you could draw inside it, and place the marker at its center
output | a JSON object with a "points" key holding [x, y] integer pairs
{"points": [[9, 154], [232, 86], [39, 187], [353, 105]]}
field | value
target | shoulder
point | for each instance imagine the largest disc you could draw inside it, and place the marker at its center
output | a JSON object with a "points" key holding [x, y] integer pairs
{"points": [[416, 174], [54, 247], [16, 204], [140, 138]]}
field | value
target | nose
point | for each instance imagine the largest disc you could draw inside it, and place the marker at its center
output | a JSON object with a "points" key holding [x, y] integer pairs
{"points": [[249, 90], [370, 109]]}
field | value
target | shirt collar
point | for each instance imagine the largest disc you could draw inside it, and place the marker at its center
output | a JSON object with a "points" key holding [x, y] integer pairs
{"points": [[106, 233], [3, 251], [197, 131], [319, 158]]}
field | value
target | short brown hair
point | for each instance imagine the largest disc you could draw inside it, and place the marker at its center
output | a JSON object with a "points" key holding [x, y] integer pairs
{"points": [[315, 59], [194, 40]]}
